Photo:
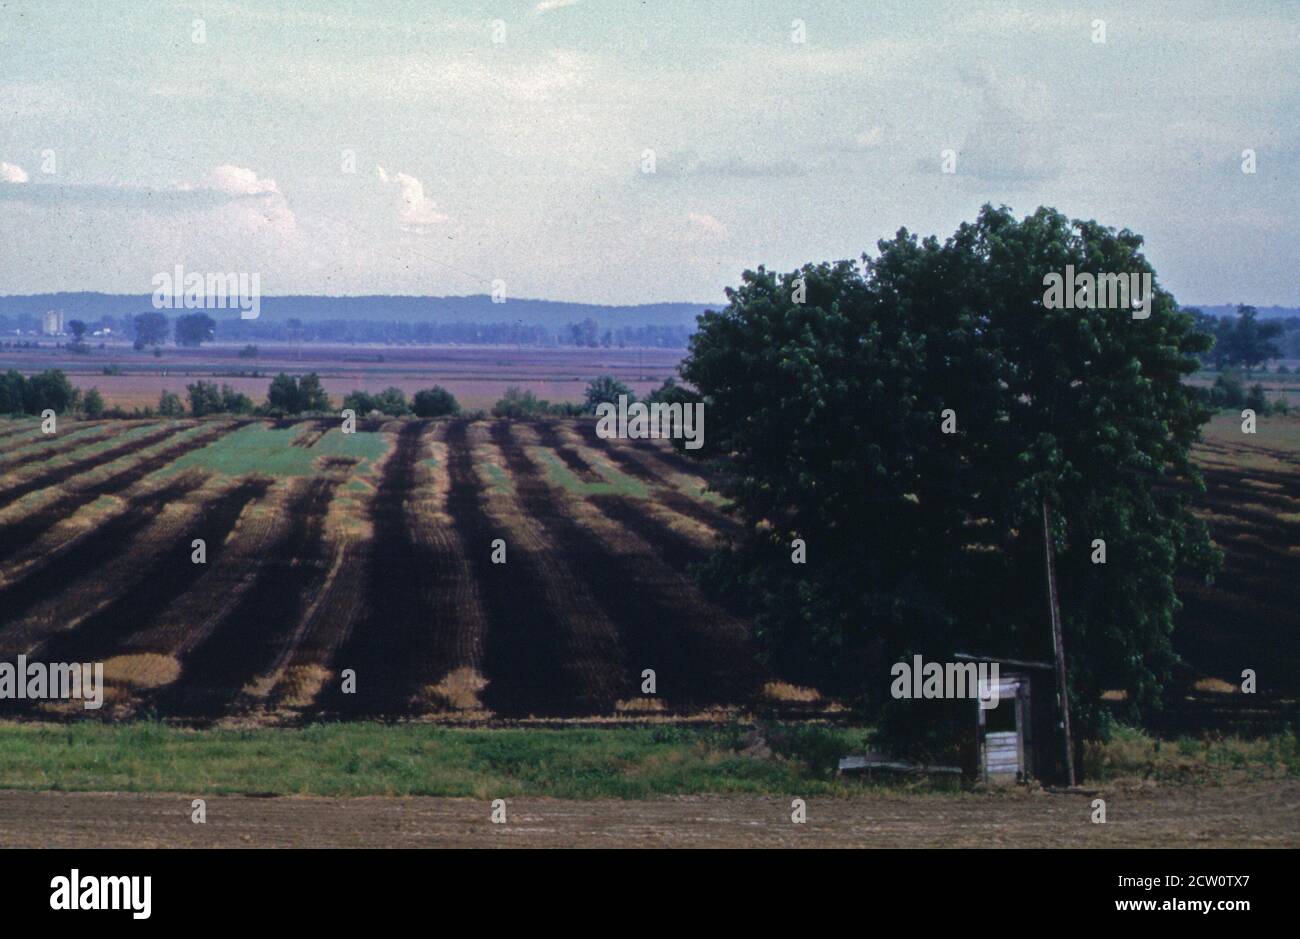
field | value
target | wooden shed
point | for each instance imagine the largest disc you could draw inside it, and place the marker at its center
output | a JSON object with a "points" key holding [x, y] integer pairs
{"points": [[1019, 739]]}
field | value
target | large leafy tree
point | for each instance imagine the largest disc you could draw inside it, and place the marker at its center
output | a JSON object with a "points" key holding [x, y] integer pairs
{"points": [[296, 395], [151, 329], [434, 402], [194, 329], [826, 423], [49, 389]]}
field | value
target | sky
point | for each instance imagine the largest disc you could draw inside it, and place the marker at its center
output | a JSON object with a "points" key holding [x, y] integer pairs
{"points": [[436, 148]]}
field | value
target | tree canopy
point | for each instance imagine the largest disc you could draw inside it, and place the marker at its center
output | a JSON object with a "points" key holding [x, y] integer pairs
{"points": [[907, 420], [606, 389], [1241, 341], [434, 402], [194, 329], [151, 329], [292, 395]]}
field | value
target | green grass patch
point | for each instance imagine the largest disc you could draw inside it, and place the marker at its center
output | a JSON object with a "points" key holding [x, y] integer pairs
{"points": [[1215, 760], [108, 443], [705, 494], [357, 759], [23, 445], [559, 474], [622, 483], [262, 448], [497, 477], [360, 759]]}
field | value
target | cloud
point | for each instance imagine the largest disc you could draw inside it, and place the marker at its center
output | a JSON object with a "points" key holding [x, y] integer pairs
{"points": [[238, 181], [254, 204], [685, 163], [185, 198], [548, 6], [869, 138], [1012, 141], [703, 226], [415, 209]]}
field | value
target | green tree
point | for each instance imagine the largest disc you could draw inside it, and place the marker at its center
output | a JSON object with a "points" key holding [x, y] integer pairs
{"points": [[1253, 341], [360, 402], [670, 392], [205, 398], [92, 404], [194, 329], [434, 402], [78, 330], [392, 401], [585, 333], [13, 392], [49, 390], [606, 388], [282, 395], [296, 395], [827, 423], [517, 403], [151, 329], [311, 396], [170, 405], [1256, 400], [235, 402]]}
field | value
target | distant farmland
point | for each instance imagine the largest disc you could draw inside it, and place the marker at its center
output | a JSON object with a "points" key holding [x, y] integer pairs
{"points": [[373, 552], [476, 375]]}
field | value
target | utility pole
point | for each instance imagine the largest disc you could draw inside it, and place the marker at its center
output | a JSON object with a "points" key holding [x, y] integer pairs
{"points": [[1058, 644]]}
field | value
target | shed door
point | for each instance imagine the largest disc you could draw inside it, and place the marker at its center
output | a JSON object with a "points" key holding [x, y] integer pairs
{"points": [[1003, 738]]}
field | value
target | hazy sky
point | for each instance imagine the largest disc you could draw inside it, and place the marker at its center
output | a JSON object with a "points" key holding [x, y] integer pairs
{"points": [[523, 160]]}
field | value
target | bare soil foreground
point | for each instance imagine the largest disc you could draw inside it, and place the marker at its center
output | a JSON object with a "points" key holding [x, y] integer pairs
{"points": [[1254, 815]]}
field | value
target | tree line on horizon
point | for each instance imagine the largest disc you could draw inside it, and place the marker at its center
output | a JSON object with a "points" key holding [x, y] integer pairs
{"points": [[290, 396], [153, 330]]}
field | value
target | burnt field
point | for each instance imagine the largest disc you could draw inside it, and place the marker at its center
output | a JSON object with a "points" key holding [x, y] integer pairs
{"points": [[460, 569], [466, 571]]}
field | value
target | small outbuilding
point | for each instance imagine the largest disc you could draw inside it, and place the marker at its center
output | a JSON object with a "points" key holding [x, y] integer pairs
{"points": [[1021, 738]]}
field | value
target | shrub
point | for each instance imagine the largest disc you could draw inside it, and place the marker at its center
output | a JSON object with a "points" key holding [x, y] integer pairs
{"points": [[170, 405], [434, 402], [518, 403], [606, 389], [205, 398], [92, 403]]}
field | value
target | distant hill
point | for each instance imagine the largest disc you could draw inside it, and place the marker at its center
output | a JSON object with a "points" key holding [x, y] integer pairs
{"points": [[472, 309], [1230, 309], [478, 309]]}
